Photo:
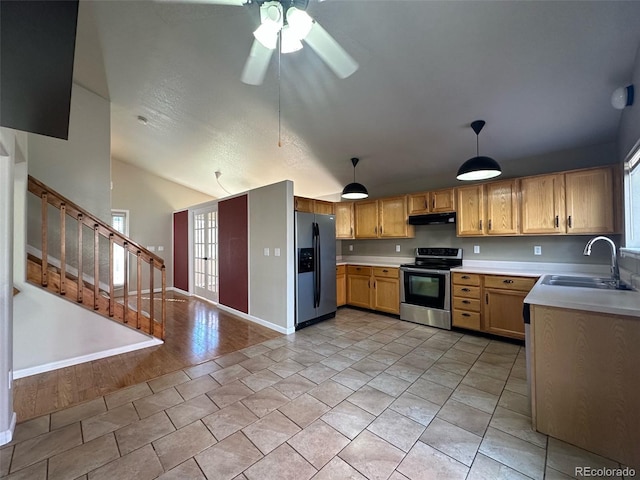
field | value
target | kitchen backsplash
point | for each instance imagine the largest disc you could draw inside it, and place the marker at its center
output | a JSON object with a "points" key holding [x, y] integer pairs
{"points": [[562, 249]]}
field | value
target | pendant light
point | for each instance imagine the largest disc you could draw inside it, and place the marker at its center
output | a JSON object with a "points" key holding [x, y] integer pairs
{"points": [[355, 191], [478, 168]]}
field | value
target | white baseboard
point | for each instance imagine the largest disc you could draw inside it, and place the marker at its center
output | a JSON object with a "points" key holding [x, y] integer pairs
{"points": [[7, 435], [180, 291], [257, 320], [26, 372]]}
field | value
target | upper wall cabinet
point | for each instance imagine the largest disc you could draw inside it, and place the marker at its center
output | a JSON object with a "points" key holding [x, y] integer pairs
{"points": [[577, 202], [310, 205], [382, 218], [488, 209], [344, 219], [432, 202]]}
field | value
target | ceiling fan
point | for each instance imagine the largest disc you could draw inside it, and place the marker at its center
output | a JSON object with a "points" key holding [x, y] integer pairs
{"points": [[288, 21]]}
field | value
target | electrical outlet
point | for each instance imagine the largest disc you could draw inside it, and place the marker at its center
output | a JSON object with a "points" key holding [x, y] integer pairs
{"points": [[266, 251], [351, 248], [537, 250], [160, 248], [397, 248], [476, 249], [151, 248], [276, 252]]}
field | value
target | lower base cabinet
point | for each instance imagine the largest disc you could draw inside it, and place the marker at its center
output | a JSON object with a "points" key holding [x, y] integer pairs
{"points": [[341, 285], [375, 288], [490, 303]]}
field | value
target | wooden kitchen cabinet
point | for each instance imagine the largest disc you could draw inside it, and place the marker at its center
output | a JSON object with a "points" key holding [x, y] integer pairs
{"points": [[311, 205], [382, 218], [359, 286], [490, 303], [374, 288], [470, 210], [386, 290], [542, 204], [341, 285], [503, 303], [439, 201], [344, 220], [502, 207], [589, 201]]}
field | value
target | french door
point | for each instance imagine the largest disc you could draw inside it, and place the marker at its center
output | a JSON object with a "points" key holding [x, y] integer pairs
{"points": [[205, 253]]}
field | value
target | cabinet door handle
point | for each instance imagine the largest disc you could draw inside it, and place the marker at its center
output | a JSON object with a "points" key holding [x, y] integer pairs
{"points": [[369, 284], [480, 227], [489, 224], [375, 230], [507, 281], [557, 221], [351, 231], [486, 298], [380, 229], [466, 315], [569, 221], [374, 284], [466, 302], [426, 205], [466, 290]]}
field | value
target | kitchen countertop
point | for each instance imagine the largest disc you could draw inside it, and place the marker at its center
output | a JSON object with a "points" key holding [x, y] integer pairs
{"points": [[616, 302], [528, 269]]}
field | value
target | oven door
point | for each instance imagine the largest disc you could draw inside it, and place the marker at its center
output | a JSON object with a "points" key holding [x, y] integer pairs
{"points": [[426, 288]]}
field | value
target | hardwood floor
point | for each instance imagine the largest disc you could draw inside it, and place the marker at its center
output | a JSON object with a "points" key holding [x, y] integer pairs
{"points": [[196, 331]]}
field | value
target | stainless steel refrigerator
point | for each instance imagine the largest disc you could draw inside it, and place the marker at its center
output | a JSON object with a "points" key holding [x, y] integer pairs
{"points": [[315, 237]]}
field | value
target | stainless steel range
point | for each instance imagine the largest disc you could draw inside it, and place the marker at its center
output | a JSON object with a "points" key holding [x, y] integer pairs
{"points": [[425, 287]]}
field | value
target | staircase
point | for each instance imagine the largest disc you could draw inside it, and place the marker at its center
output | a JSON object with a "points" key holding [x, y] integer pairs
{"points": [[78, 279]]}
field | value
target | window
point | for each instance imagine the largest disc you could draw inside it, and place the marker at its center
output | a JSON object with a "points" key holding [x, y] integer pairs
{"points": [[120, 223], [632, 199]]}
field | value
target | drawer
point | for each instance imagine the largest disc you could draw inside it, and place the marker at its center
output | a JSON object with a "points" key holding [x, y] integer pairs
{"points": [[341, 269], [471, 304], [464, 319], [509, 283], [358, 270], [466, 279], [466, 291], [385, 272]]}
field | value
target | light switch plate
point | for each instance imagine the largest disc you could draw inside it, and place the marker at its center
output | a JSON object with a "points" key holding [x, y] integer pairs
{"points": [[397, 248], [537, 250], [160, 248], [266, 251], [276, 252], [351, 248], [151, 248], [476, 249]]}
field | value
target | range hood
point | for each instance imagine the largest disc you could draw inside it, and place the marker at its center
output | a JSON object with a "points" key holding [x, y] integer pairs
{"points": [[433, 219]]}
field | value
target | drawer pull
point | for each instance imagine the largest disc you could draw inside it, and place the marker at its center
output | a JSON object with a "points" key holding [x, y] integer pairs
{"points": [[465, 314], [507, 281], [385, 270], [569, 222], [557, 221], [466, 301], [466, 277], [466, 290]]}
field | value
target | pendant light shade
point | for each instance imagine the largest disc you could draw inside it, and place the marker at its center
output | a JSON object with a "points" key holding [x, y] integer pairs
{"points": [[478, 168], [355, 190]]}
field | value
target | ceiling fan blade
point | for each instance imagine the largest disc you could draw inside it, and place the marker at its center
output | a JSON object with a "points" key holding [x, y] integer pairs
{"points": [[330, 51], [256, 65], [237, 3]]}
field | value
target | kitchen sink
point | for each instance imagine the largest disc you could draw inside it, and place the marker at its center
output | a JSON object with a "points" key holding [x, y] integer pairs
{"points": [[605, 283]]}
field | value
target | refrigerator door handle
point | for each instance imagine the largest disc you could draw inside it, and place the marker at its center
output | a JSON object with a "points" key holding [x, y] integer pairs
{"points": [[316, 301], [319, 277]]}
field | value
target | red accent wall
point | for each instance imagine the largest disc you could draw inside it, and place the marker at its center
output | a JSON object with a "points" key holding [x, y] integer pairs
{"points": [[181, 250], [233, 253]]}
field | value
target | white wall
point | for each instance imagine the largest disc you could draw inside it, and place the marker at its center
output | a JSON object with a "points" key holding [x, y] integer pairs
{"points": [[271, 278], [629, 131]]}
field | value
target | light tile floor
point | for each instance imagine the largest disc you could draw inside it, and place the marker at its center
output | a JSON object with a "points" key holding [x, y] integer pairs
{"points": [[359, 396]]}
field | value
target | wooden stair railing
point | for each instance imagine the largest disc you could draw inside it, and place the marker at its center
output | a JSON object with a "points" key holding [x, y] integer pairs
{"points": [[152, 323]]}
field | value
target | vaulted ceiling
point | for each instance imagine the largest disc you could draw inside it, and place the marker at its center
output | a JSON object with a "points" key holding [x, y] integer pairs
{"points": [[540, 73]]}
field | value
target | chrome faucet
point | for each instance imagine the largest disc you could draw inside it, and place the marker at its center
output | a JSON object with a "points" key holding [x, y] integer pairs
{"points": [[615, 271]]}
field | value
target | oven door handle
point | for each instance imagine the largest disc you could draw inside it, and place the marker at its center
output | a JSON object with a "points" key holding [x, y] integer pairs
{"points": [[424, 270]]}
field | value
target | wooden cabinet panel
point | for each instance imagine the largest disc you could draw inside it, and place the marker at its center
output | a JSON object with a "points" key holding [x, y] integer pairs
{"points": [[386, 294], [344, 219], [302, 204], [502, 208], [419, 203], [366, 219], [466, 291], [358, 270], [443, 200], [466, 278], [470, 210], [503, 312], [323, 207], [388, 272], [509, 282], [542, 204], [359, 290], [472, 304], [393, 217], [341, 285], [465, 319], [589, 200]]}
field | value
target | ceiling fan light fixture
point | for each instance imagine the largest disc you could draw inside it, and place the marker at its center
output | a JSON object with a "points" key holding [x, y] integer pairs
{"points": [[267, 35], [290, 42], [355, 190], [478, 167], [300, 22]]}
